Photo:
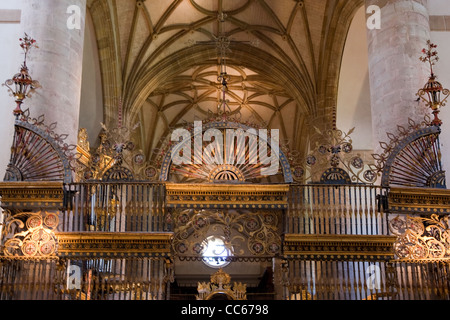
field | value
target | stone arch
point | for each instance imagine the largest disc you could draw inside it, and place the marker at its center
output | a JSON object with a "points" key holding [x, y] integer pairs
{"points": [[330, 59], [104, 22]]}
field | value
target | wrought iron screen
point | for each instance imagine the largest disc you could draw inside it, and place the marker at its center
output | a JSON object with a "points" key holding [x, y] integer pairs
{"points": [[337, 209], [84, 279], [114, 207]]}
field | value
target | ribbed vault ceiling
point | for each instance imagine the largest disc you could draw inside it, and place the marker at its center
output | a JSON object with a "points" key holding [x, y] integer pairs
{"points": [[161, 58]]}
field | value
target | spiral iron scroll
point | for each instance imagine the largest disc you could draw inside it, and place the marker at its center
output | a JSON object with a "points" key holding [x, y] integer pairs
{"points": [[421, 238], [30, 235]]}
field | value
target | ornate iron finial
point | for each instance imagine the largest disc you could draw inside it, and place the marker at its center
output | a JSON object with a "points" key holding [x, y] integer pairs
{"points": [[221, 285], [430, 55], [433, 93], [22, 85], [221, 278]]}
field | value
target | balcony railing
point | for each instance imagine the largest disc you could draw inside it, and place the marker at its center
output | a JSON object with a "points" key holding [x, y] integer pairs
{"points": [[367, 280], [337, 209], [324, 210], [141, 207], [146, 279], [84, 279], [114, 207]]}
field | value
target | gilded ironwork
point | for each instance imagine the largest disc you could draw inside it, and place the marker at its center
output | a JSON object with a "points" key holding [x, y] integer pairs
{"points": [[419, 200], [38, 153], [117, 158], [433, 93], [421, 238], [18, 196], [298, 291], [220, 284], [22, 86], [227, 196], [92, 163], [240, 157], [84, 151], [412, 158], [30, 235], [242, 231], [114, 244], [112, 278], [332, 161], [337, 247], [339, 279]]}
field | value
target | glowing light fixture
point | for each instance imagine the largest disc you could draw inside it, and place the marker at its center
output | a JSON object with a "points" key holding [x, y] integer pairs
{"points": [[216, 252]]}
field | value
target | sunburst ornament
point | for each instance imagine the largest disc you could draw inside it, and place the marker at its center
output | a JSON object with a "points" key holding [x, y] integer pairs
{"points": [[412, 157], [38, 153], [222, 151]]}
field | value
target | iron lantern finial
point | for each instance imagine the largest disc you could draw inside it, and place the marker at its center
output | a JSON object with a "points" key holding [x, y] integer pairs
{"points": [[21, 85], [433, 93]]}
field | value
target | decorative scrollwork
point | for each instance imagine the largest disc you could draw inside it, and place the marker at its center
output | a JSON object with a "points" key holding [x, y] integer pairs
{"points": [[117, 158], [220, 285], [332, 161], [30, 235], [421, 238], [412, 157], [257, 230]]}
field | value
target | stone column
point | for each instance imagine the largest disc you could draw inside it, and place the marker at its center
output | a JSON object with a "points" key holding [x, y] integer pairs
{"points": [[396, 73], [58, 27]]}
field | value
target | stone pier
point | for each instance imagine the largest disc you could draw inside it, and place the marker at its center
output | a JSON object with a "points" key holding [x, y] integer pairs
{"points": [[396, 73], [58, 27]]}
